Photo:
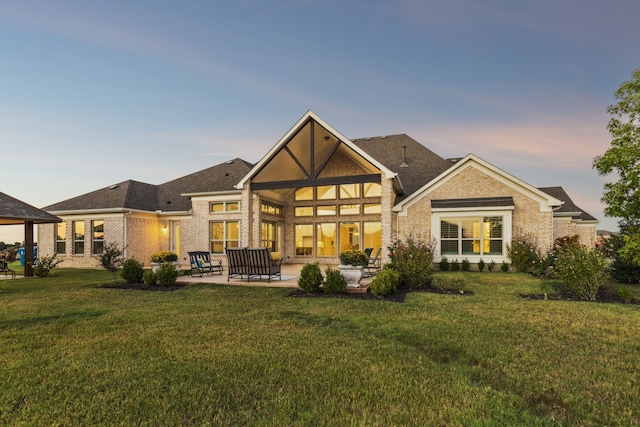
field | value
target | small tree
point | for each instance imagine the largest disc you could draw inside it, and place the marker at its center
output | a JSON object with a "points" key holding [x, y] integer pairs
{"points": [[45, 265], [582, 270], [111, 258], [413, 259]]}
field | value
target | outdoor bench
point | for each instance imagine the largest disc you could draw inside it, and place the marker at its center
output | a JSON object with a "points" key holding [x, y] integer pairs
{"points": [[201, 264], [252, 263]]}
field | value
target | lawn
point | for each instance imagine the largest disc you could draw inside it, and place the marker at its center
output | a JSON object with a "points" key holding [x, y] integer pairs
{"points": [[75, 353]]}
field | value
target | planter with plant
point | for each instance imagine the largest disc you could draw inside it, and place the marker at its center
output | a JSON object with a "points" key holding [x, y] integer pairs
{"points": [[352, 263], [164, 256]]}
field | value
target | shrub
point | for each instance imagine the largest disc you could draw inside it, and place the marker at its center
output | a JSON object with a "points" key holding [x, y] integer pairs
{"points": [[166, 274], [45, 265], [625, 294], [334, 282], [354, 257], [465, 264], [385, 282], [310, 277], [454, 283], [481, 265], [543, 265], [491, 266], [111, 258], [444, 264], [164, 256], [413, 259], [620, 269], [149, 278], [455, 265], [522, 251], [582, 270], [132, 271], [504, 267]]}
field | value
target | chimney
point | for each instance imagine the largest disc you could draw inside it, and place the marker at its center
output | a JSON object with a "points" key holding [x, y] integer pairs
{"points": [[404, 157]]}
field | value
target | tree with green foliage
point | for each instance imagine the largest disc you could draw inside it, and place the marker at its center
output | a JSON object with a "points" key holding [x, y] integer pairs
{"points": [[111, 258], [623, 159]]}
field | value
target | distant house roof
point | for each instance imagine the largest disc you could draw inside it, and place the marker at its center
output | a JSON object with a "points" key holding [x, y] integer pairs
{"points": [[167, 197], [14, 211], [414, 163], [568, 207]]}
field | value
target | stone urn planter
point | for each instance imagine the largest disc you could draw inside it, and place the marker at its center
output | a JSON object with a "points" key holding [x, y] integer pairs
{"points": [[351, 266], [164, 256], [353, 274], [156, 265]]}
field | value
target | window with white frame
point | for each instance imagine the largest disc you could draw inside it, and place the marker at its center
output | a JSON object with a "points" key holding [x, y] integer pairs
{"points": [[471, 235]]}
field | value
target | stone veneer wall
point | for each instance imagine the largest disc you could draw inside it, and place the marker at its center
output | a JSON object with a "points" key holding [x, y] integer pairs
{"points": [[473, 183]]}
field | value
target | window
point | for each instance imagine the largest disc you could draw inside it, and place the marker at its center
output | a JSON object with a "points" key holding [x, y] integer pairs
{"points": [[349, 209], [372, 234], [471, 235], [216, 207], [304, 211], [78, 237], [305, 193], [326, 192], [271, 209], [349, 191], [326, 239], [372, 189], [97, 238], [325, 210], [304, 239], [349, 235], [372, 208], [224, 234], [61, 238], [269, 235]]}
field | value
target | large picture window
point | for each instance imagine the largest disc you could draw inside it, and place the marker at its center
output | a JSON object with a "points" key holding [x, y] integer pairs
{"points": [[304, 239], [471, 235], [326, 238], [224, 234]]}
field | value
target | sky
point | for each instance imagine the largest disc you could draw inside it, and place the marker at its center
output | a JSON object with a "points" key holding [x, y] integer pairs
{"points": [[95, 92]]}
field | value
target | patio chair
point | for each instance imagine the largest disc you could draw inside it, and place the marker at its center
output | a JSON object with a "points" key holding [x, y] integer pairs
{"points": [[201, 264], [374, 265]]}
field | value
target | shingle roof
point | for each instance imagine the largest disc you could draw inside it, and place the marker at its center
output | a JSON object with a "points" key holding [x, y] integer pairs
{"points": [[422, 164], [165, 197], [479, 202], [14, 211], [568, 206]]}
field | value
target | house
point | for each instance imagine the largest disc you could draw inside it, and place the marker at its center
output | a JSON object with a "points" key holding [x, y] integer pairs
{"points": [[314, 194]]}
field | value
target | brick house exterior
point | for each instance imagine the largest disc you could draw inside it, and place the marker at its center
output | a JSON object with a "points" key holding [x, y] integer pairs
{"points": [[314, 194]]}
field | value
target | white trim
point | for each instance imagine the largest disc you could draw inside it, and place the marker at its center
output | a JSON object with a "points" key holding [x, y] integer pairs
{"points": [[474, 209], [285, 138], [546, 201]]}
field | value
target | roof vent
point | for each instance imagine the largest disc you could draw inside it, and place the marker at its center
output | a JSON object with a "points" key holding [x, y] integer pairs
{"points": [[383, 137], [230, 162], [368, 139], [404, 157], [114, 186]]}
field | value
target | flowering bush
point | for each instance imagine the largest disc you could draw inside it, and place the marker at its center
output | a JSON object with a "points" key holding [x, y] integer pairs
{"points": [[522, 251], [354, 257], [544, 264], [413, 259], [164, 256], [582, 270]]}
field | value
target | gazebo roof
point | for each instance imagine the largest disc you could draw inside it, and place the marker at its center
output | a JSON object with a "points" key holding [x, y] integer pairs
{"points": [[16, 212]]}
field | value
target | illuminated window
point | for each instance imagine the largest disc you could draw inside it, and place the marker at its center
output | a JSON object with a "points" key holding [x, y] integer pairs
{"points": [[372, 234], [372, 208], [78, 237], [326, 192], [326, 239], [269, 235], [349, 191], [271, 209], [61, 238], [349, 235], [216, 207], [471, 235], [325, 210], [304, 239], [304, 211], [305, 193], [97, 237], [372, 189], [224, 234], [349, 209]]}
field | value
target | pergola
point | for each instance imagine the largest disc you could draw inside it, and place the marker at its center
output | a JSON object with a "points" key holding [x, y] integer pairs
{"points": [[15, 212]]}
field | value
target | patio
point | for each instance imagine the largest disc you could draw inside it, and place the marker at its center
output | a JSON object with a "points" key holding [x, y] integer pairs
{"points": [[290, 274]]}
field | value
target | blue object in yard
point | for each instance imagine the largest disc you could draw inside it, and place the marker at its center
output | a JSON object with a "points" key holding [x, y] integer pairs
{"points": [[21, 254]]}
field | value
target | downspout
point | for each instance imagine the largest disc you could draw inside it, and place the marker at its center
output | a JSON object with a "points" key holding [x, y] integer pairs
{"points": [[124, 234]]}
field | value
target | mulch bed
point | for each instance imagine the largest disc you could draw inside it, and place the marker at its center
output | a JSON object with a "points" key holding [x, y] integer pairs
{"points": [[143, 287], [398, 296]]}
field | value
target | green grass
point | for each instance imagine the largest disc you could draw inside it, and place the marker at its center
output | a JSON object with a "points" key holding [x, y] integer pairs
{"points": [[72, 353]]}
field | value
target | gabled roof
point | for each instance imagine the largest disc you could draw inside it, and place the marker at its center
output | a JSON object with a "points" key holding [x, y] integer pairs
{"points": [[14, 211], [568, 208], [172, 196], [546, 200], [415, 164]]}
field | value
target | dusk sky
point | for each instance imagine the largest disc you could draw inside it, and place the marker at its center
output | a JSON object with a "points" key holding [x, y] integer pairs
{"points": [[95, 92]]}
